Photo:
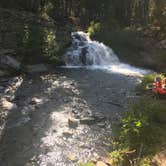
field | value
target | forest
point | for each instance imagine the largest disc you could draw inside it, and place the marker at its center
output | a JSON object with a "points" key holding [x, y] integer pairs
{"points": [[82, 82], [124, 13]]}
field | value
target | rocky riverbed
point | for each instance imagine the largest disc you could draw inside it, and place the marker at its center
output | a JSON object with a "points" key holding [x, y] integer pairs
{"points": [[61, 118]]}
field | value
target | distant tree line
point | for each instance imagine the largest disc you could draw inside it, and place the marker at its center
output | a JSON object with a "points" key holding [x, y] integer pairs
{"points": [[124, 12]]}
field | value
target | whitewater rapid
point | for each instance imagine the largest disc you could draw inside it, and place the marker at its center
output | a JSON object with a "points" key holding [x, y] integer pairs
{"points": [[89, 54]]}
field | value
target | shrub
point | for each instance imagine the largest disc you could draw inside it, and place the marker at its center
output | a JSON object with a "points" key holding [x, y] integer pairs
{"points": [[94, 28], [142, 130]]}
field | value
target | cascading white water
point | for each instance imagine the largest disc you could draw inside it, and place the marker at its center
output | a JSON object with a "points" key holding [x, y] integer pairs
{"points": [[95, 55], [84, 51]]}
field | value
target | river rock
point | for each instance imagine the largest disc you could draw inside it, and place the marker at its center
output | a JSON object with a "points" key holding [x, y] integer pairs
{"points": [[100, 163], [8, 105], [73, 123], [39, 68]]}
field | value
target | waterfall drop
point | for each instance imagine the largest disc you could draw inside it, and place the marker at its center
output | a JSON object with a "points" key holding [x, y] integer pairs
{"points": [[85, 52]]}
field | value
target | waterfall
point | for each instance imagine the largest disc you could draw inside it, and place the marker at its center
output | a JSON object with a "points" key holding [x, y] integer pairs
{"points": [[85, 52]]}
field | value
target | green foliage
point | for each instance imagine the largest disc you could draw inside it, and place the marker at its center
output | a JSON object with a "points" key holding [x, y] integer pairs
{"points": [[141, 129], [86, 164], [94, 28]]}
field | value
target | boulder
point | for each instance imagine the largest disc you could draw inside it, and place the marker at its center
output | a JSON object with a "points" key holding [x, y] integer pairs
{"points": [[39, 68]]}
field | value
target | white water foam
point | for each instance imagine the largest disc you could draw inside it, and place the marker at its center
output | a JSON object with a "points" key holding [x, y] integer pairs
{"points": [[85, 53]]}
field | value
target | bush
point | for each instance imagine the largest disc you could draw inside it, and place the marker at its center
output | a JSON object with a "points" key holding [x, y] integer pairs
{"points": [[142, 130]]}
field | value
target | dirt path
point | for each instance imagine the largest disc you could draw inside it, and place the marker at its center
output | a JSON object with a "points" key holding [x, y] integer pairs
{"points": [[61, 118]]}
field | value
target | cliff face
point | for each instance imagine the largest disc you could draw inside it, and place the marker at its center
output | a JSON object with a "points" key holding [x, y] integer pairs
{"points": [[34, 39]]}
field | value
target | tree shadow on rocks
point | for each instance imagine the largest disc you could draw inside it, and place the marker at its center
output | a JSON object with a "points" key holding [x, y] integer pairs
{"points": [[35, 132]]}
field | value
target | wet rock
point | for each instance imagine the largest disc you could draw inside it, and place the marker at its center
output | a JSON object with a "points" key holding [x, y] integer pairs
{"points": [[73, 123], [100, 163], [39, 68], [68, 134], [72, 158], [8, 105]]}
